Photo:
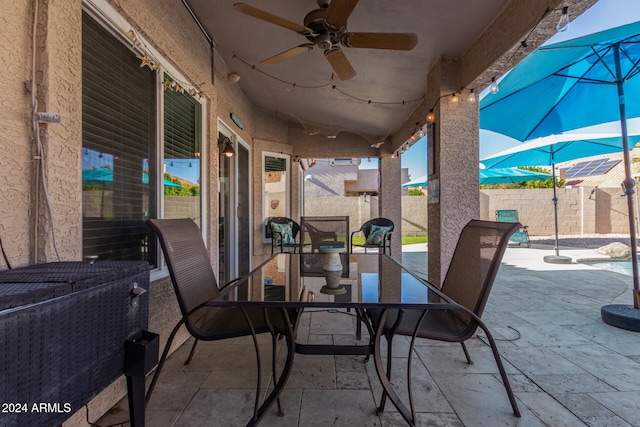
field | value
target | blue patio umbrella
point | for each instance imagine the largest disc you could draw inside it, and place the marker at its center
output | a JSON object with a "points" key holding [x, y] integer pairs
{"points": [[493, 176], [554, 149], [510, 176], [104, 177], [569, 85]]}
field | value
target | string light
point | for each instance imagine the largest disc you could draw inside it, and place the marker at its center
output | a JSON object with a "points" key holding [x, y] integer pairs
{"points": [[431, 116], [472, 97], [494, 86], [331, 85], [563, 23], [454, 98]]}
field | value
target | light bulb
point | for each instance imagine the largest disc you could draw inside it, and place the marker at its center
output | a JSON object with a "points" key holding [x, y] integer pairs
{"points": [[472, 97], [431, 117], [563, 23], [454, 97], [494, 86]]}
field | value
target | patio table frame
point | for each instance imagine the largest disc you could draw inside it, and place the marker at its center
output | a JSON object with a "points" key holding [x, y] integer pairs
{"points": [[373, 347]]}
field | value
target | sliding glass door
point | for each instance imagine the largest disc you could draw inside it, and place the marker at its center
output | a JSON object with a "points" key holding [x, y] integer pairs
{"points": [[234, 200]]}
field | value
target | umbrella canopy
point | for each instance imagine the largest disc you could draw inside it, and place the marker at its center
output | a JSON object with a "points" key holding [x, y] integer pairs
{"points": [[418, 182], [569, 85], [557, 149], [510, 176], [492, 176]]}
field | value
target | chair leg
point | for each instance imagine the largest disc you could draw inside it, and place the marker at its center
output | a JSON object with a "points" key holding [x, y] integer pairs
{"points": [[193, 350], [389, 336], [274, 342], [383, 398], [259, 382], [503, 373], [466, 353], [163, 358]]}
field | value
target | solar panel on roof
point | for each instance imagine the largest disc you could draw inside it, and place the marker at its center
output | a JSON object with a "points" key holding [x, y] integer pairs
{"points": [[591, 168]]}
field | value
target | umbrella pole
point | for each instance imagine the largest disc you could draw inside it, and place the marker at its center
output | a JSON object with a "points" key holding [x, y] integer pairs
{"points": [[557, 258], [555, 201], [629, 182]]}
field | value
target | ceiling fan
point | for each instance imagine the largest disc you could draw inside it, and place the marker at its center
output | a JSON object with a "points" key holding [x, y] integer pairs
{"points": [[326, 28]]}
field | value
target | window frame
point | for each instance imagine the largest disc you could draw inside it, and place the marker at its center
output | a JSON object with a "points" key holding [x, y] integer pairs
{"points": [[287, 158], [114, 23]]}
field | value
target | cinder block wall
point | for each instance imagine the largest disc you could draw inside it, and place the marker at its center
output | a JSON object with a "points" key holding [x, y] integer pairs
{"points": [[414, 211], [580, 211]]}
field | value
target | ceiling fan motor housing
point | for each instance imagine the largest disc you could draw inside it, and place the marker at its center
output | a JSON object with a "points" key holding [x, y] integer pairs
{"points": [[323, 35]]}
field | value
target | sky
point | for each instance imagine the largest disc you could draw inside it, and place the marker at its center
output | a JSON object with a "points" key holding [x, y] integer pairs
{"points": [[601, 16]]}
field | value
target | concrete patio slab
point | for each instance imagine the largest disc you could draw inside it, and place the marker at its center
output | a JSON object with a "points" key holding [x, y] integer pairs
{"points": [[565, 365]]}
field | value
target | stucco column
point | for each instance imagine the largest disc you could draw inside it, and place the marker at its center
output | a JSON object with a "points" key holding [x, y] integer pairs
{"points": [[391, 199], [456, 166]]}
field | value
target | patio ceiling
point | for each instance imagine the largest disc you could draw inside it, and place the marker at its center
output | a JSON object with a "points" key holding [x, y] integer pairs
{"points": [[386, 77]]}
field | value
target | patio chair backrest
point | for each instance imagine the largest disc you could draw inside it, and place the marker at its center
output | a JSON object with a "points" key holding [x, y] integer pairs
{"points": [[187, 260], [507, 215], [295, 227], [476, 261], [382, 222]]}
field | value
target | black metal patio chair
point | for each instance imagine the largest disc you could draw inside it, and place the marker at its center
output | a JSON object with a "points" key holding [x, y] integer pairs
{"points": [[284, 232], [377, 233], [468, 282], [195, 284]]}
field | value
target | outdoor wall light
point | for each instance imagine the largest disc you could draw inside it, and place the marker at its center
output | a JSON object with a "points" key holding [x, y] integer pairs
{"points": [[228, 149]]}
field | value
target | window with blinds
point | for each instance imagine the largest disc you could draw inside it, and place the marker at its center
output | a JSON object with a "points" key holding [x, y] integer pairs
{"points": [[118, 146], [182, 171], [276, 188]]}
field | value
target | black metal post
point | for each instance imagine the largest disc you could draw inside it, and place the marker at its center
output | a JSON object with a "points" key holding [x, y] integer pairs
{"points": [[628, 182]]}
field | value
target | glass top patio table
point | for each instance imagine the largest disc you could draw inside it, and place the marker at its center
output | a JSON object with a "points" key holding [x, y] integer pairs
{"points": [[366, 280], [284, 282]]}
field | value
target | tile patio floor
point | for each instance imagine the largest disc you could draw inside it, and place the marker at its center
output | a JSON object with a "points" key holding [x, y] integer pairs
{"points": [[566, 366]]}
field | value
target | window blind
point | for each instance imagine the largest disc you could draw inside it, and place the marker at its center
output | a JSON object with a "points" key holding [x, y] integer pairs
{"points": [[118, 140]]}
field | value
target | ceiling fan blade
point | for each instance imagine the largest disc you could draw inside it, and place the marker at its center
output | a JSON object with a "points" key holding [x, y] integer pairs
{"points": [[269, 17], [288, 54], [338, 12], [395, 41], [340, 63]]}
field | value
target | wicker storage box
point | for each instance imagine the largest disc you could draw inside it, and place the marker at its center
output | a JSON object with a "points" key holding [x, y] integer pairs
{"points": [[66, 344]]}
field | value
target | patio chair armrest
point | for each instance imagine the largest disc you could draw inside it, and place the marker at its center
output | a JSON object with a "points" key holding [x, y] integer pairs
{"points": [[229, 283], [353, 233]]}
